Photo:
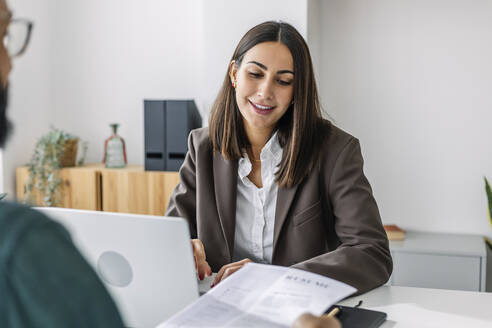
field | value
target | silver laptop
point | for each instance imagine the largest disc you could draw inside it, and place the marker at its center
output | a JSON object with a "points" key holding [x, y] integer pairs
{"points": [[146, 262]]}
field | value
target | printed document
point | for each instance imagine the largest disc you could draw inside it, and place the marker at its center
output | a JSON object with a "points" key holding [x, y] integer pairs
{"points": [[260, 295]]}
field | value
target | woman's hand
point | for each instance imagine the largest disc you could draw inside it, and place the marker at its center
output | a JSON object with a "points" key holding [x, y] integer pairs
{"points": [[202, 268], [307, 320], [227, 270]]}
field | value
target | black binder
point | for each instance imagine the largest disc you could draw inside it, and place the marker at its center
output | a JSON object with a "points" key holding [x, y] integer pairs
{"points": [[356, 317]]}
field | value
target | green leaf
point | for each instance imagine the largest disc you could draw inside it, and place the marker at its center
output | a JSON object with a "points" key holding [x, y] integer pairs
{"points": [[488, 242], [488, 191], [3, 195]]}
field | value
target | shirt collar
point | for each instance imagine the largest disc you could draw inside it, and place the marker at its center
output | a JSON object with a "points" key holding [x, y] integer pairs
{"points": [[272, 151]]}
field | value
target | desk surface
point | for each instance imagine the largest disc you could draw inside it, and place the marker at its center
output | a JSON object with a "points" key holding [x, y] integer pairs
{"points": [[423, 307], [410, 307]]}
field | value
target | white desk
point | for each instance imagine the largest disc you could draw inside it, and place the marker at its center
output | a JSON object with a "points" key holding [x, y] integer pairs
{"points": [[204, 285], [423, 307], [410, 307]]}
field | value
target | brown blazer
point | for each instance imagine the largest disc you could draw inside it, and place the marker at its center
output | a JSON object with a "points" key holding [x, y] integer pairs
{"points": [[329, 224]]}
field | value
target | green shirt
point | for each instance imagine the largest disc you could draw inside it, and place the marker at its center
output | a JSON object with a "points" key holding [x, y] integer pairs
{"points": [[44, 280]]}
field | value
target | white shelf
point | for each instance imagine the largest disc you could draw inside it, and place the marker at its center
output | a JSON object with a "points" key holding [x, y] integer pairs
{"points": [[444, 261]]}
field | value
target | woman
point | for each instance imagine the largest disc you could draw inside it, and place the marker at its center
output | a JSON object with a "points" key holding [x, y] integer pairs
{"points": [[270, 181]]}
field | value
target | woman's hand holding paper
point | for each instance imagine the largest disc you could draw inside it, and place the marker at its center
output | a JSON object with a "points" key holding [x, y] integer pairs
{"points": [[227, 270]]}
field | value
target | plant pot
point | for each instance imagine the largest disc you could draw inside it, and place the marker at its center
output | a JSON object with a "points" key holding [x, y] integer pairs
{"points": [[69, 153]]}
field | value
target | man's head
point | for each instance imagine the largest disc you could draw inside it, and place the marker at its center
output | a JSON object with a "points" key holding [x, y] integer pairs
{"points": [[5, 67], [14, 34]]}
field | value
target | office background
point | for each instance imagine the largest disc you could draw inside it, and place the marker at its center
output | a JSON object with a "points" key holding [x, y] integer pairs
{"points": [[411, 79]]}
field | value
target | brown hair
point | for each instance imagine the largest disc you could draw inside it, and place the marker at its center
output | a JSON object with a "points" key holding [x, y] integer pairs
{"points": [[300, 130]]}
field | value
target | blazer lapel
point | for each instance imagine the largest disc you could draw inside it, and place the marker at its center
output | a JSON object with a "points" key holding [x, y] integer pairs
{"points": [[285, 196], [225, 184]]}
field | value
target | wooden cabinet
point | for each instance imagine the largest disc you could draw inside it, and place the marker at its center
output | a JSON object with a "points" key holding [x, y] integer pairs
{"points": [[94, 187], [134, 190], [80, 187]]}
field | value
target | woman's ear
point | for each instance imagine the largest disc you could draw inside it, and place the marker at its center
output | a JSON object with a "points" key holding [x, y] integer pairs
{"points": [[233, 71]]}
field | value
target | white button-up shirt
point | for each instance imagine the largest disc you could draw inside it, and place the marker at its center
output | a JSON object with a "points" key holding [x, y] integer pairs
{"points": [[255, 207]]}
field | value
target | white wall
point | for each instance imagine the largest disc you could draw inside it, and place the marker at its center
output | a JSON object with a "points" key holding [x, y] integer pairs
{"points": [[110, 55], [314, 33], [412, 80], [107, 61]]}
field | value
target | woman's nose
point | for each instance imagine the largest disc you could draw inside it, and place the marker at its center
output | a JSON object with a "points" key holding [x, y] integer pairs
{"points": [[265, 89]]}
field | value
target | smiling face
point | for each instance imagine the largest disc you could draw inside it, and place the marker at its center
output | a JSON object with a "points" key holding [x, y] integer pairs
{"points": [[264, 85]]}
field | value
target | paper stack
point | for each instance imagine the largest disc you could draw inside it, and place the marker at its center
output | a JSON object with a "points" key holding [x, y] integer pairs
{"points": [[260, 295]]}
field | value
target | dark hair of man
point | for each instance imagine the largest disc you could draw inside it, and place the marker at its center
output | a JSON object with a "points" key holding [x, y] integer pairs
{"points": [[300, 128], [5, 125]]}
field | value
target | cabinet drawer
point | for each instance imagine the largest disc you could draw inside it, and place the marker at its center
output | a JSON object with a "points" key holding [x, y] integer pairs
{"points": [[436, 271]]}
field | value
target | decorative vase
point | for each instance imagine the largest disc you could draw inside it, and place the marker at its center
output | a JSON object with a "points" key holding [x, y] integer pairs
{"points": [[114, 149]]}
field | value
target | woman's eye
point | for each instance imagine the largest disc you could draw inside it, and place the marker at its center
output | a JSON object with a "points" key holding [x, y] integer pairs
{"points": [[255, 75], [282, 82]]}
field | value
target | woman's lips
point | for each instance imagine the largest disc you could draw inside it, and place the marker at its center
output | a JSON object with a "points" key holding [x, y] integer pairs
{"points": [[261, 109]]}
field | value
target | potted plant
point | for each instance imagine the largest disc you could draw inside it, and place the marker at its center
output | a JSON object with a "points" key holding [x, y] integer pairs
{"points": [[53, 151]]}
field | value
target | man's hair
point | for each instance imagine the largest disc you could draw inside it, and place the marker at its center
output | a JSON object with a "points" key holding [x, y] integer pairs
{"points": [[5, 125], [300, 129]]}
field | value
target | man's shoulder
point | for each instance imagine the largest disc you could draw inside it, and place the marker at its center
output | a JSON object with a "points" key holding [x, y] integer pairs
{"points": [[15, 221], [14, 214], [33, 248]]}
